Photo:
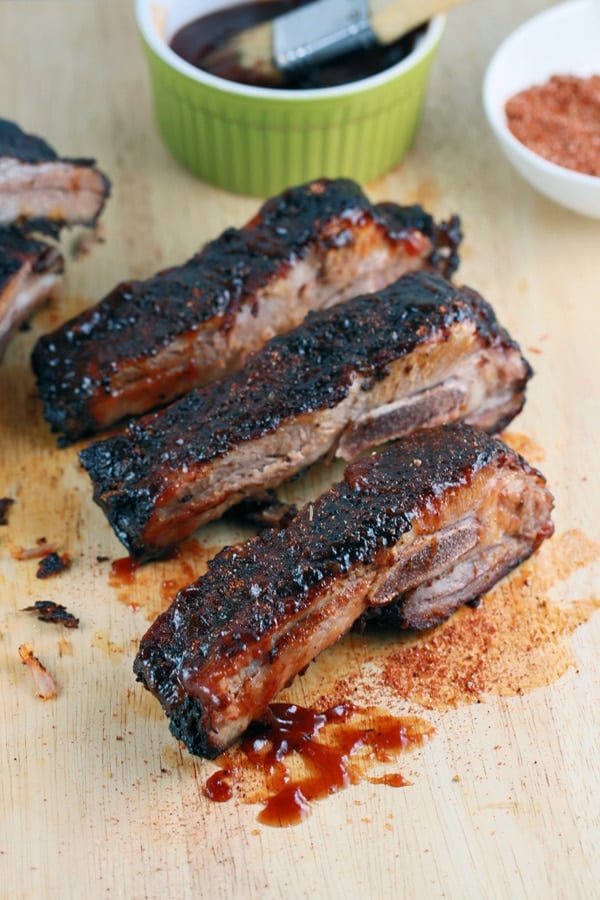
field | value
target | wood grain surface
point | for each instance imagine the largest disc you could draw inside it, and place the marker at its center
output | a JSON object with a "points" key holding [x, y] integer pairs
{"points": [[97, 799]]}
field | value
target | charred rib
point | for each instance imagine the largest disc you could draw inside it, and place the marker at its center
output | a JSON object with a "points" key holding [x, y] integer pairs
{"points": [[150, 341], [419, 353], [410, 519], [42, 191], [30, 273]]}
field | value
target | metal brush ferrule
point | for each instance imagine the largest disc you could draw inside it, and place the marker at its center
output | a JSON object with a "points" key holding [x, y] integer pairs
{"points": [[319, 31]]}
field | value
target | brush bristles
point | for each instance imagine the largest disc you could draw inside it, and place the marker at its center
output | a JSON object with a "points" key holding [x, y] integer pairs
{"points": [[246, 54]]}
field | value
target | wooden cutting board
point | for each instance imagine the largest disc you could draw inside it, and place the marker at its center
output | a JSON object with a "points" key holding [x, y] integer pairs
{"points": [[97, 799]]}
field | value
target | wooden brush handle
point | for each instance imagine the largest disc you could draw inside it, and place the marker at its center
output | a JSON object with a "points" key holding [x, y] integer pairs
{"points": [[390, 19]]}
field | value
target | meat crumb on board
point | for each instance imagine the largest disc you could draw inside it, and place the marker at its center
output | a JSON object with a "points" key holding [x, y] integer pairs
{"points": [[53, 564], [5, 505], [49, 611], [42, 548], [46, 687]]}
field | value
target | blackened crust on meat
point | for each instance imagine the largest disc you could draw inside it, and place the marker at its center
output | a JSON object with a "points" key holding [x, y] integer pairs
{"points": [[445, 237], [16, 144], [16, 248], [239, 616], [91, 371], [295, 377], [30, 272], [263, 510], [29, 148]]}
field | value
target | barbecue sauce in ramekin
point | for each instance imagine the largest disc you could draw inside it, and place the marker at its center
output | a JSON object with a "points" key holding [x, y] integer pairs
{"points": [[193, 41]]}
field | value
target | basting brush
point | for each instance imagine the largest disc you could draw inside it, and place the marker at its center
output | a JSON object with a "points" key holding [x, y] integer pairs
{"points": [[318, 32]]}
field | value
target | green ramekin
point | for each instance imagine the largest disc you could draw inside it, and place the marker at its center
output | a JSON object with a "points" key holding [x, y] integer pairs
{"points": [[260, 141]]}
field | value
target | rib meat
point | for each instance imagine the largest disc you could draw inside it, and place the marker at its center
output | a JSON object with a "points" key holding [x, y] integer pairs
{"points": [[30, 273], [43, 191], [429, 523], [149, 341], [418, 353]]}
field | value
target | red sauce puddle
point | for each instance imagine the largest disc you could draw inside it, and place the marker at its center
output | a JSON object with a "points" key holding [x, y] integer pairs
{"points": [[122, 571], [296, 768]]}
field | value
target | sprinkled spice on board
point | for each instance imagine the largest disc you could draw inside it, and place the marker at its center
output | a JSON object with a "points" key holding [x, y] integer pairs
{"points": [[560, 120]]}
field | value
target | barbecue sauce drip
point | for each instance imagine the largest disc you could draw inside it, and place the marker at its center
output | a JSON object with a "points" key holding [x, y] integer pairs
{"points": [[354, 739], [122, 571], [194, 41], [219, 786]]}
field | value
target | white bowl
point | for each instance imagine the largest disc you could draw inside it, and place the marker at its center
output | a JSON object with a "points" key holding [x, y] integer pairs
{"points": [[564, 40]]}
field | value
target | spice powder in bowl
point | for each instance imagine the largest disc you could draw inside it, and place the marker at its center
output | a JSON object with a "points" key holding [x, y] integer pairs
{"points": [[560, 121], [545, 74]]}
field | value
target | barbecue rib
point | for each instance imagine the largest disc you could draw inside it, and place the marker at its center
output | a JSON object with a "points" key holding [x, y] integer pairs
{"points": [[149, 341], [30, 273], [42, 190], [417, 354], [429, 523]]}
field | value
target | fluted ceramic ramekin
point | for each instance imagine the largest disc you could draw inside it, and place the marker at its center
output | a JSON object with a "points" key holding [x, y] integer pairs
{"points": [[259, 141]]}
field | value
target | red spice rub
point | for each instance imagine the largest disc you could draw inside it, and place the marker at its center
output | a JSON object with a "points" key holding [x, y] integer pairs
{"points": [[560, 120]]}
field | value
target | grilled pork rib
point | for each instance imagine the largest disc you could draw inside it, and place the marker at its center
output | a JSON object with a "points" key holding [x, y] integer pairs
{"points": [[149, 341], [42, 190], [417, 354], [428, 523], [30, 273]]}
